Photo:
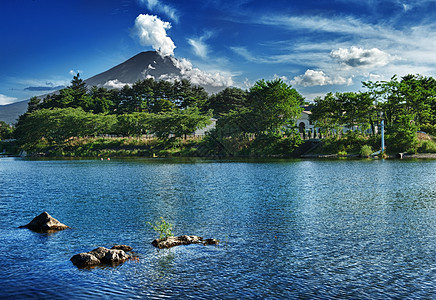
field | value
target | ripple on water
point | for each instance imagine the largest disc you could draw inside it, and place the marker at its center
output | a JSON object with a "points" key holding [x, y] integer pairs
{"points": [[288, 229]]}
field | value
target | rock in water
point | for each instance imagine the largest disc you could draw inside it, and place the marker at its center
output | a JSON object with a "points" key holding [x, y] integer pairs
{"points": [[122, 247], [99, 252], [85, 260], [114, 256], [45, 222], [100, 255], [172, 241]]}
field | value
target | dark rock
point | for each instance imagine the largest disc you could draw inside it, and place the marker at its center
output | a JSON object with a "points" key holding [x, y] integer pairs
{"points": [[211, 242], [99, 252], [44, 222], [173, 241], [122, 247], [115, 256], [100, 255], [85, 260]]}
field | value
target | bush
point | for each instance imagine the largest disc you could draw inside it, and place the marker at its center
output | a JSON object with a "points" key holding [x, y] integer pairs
{"points": [[366, 151], [427, 146], [162, 227]]}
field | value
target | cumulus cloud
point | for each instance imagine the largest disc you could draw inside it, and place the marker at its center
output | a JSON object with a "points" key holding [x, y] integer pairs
{"points": [[359, 57], [197, 76], [152, 31], [319, 78], [6, 99], [115, 84], [156, 5]]}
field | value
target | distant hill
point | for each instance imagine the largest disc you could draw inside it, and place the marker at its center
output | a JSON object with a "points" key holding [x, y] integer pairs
{"points": [[141, 66], [10, 112]]}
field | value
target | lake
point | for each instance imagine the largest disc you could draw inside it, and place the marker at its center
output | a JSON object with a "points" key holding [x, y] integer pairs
{"points": [[287, 228]]}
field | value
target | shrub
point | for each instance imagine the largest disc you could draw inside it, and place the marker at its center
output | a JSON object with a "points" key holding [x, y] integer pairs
{"points": [[366, 151], [162, 227]]}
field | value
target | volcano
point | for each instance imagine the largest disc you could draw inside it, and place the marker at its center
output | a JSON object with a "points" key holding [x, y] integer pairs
{"points": [[141, 66], [151, 64]]}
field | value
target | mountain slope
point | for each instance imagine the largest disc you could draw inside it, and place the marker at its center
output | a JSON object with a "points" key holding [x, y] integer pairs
{"points": [[10, 112], [140, 66]]}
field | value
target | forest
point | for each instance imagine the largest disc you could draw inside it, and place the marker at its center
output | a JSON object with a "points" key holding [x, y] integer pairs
{"points": [[170, 111], [260, 121]]}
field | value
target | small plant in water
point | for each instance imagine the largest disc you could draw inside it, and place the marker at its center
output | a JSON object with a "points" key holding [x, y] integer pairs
{"points": [[162, 227]]}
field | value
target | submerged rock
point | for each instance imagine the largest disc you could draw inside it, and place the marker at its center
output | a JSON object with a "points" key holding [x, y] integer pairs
{"points": [[173, 241], [101, 255], [44, 222]]}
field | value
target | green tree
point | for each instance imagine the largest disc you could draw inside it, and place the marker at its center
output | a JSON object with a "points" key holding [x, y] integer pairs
{"points": [[6, 130], [274, 104], [137, 123], [227, 100], [178, 122]]}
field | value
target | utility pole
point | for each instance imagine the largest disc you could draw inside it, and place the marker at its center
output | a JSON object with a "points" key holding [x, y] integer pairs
{"points": [[382, 125]]}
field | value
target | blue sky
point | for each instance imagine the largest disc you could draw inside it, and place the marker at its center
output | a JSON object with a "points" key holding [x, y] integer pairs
{"points": [[316, 46]]}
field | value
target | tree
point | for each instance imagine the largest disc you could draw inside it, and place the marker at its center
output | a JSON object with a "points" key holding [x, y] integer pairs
{"points": [[178, 122], [136, 123], [327, 113], [274, 104], [226, 100], [6, 130]]}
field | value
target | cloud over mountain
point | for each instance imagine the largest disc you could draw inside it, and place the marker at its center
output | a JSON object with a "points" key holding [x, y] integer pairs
{"points": [[6, 99], [152, 31], [152, 65]]}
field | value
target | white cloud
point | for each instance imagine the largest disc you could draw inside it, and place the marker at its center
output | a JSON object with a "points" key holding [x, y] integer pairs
{"points": [[115, 84], [6, 99], [319, 78], [152, 32], [200, 48], [156, 5], [197, 76], [75, 72], [359, 57], [199, 45]]}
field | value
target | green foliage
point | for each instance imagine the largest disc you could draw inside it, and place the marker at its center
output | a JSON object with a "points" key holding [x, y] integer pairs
{"points": [[6, 130], [273, 104], [402, 135], [178, 122], [427, 146], [162, 227], [229, 99], [366, 151]]}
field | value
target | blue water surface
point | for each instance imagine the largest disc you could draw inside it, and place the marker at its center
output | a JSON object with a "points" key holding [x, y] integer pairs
{"points": [[287, 228]]}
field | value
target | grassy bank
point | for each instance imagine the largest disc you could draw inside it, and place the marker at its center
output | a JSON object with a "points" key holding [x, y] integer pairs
{"points": [[351, 144], [241, 146], [355, 144]]}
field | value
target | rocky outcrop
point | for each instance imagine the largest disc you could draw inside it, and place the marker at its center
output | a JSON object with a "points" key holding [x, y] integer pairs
{"points": [[172, 241], [102, 255], [44, 223]]}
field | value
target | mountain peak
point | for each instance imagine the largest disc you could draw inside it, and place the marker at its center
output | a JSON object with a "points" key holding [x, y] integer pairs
{"points": [[141, 66]]}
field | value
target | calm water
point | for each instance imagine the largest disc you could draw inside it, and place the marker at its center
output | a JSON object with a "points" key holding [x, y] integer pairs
{"points": [[288, 229]]}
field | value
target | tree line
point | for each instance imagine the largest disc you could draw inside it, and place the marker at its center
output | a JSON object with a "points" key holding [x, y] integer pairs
{"points": [[162, 108], [407, 105]]}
